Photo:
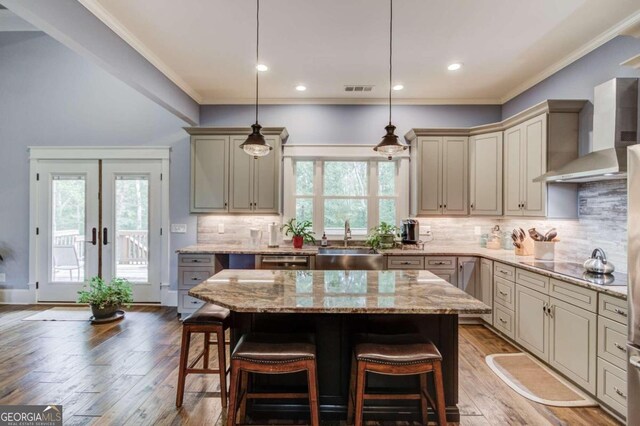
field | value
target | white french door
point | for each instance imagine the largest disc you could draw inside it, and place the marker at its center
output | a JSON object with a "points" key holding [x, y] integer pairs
{"points": [[99, 217]]}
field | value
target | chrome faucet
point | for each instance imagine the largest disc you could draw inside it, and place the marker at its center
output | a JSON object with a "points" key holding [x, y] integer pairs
{"points": [[347, 232]]}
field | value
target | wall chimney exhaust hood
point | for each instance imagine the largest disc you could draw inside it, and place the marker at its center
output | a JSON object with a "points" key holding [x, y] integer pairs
{"points": [[615, 125]]}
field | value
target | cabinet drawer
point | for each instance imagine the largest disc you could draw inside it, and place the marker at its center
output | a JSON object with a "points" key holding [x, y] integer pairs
{"points": [[532, 280], [503, 320], [504, 271], [504, 292], [191, 277], [577, 296], [405, 262], [435, 262], [195, 259], [612, 342], [612, 386], [189, 303], [613, 308]]}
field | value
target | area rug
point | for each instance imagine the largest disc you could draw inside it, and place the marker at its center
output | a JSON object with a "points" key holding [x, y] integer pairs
{"points": [[536, 382], [66, 313]]}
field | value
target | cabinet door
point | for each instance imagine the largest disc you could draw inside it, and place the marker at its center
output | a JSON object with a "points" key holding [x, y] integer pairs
{"points": [[532, 322], [455, 157], [209, 168], [535, 164], [572, 345], [486, 287], [468, 275], [430, 176], [512, 171], [266, 186], [449, 275], [241, 178], [485, 169]]}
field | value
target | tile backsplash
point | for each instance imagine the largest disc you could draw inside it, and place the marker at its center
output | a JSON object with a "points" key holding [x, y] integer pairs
{"points": [[602, 223]]}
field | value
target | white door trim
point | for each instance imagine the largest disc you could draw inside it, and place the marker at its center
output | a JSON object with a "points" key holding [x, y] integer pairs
{"points": [[98, 153]]}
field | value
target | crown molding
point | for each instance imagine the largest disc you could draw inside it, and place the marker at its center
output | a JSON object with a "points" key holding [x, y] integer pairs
{"points": [[12, 22], [352, 101], [545, 107], [268, 131], [116, 26], [632, 62], [629, 24]]}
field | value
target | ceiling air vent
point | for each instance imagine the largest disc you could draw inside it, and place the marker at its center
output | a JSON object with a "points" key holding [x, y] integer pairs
{"points": [[358, 88]]}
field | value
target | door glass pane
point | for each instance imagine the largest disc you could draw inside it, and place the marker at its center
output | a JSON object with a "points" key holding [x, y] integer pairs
{"points": [[386, 178], [345, 178], [67, 226], [132, 228]]}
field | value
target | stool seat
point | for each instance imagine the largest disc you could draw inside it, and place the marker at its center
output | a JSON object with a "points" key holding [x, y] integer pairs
{"points": [[208, 314], [395, 349], [275, 348]]}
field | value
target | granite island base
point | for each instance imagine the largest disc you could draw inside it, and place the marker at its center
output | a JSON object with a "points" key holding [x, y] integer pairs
{"points": [[335, 306]]}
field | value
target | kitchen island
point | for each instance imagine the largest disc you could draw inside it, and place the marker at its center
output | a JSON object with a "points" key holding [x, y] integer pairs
{"points": [[335, 306]]}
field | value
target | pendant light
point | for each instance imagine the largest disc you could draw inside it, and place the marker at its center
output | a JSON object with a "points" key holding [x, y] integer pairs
{"points": [[390, 144], [255, 144]]}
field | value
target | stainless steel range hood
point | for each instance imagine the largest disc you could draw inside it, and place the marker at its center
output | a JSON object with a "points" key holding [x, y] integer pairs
{"points": [[615, 124]]}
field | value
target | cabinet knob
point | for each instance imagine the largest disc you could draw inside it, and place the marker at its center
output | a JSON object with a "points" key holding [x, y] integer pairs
{"points": [[502, 320], [502, 292], [619, 392], [620, 312], [620, 347], [471, 206]]}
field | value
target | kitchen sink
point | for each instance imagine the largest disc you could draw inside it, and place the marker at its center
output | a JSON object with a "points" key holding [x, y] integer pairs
{"points": [[349, 258]]}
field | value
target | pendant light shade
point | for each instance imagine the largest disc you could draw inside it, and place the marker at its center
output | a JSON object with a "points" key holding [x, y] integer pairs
{"points": [[255, 144], [390, 144]]}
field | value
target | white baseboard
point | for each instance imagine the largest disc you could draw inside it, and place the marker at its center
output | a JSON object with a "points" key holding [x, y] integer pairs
{"points": [[168, 297], [16, 296]]}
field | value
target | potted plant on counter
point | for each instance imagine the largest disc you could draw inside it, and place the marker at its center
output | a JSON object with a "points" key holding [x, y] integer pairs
{"points": [[106, 299], [300, 232], [382, 236]]}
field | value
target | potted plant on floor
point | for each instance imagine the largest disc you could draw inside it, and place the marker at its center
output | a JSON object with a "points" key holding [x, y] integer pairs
{"points": [[382, 236], [105, 299], [300, 231]]}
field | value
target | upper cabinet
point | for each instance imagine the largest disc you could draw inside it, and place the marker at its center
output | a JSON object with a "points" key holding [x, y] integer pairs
{"points": [[485, 174], [441, 171], [224, 179], [492, 168]]}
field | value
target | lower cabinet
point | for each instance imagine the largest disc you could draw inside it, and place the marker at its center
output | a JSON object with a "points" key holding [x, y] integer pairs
{"points": [[572, 345], [192, 270], [485, 291], [532, 321]]}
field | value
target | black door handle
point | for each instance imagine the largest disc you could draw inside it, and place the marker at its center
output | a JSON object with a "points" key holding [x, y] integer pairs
{"points": [[105, 240], [94, 236]]}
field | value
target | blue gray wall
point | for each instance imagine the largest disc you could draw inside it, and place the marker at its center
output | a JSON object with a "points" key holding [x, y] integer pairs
{"points": [[577, 80], [348, 124], [51, 96]]}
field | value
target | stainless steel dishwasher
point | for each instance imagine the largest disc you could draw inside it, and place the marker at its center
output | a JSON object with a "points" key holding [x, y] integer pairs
{"points": [[284, 262]]}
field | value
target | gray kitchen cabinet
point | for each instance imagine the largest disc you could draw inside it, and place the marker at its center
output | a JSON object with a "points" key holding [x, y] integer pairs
{"points": [[442, 175], [445, 267], [532, 321], [209, 173], [224, 179], [449, 275], [572, 345], [468, 275], [192, 270], [485, 174], [486, 287]]}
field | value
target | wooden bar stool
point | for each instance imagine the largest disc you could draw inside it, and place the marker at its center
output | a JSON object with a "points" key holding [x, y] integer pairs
{"points": [[397, 355], [209, 319], [266, 353]]}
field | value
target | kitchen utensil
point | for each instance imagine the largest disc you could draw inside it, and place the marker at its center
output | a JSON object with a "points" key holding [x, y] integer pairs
{"points": [[535, 235], [523, 235], [598, 263], [550, 235]]}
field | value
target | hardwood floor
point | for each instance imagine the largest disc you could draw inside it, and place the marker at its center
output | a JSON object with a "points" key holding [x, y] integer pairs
{"points": [[125, 373]]}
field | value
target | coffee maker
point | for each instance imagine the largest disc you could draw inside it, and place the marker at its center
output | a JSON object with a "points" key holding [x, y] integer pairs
{"points": [[410, 231]]}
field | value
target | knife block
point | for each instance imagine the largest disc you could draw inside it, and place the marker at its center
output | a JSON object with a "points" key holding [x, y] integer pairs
{"points": [[526, 249]]}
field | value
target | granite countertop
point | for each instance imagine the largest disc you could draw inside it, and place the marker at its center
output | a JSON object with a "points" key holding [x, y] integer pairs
{"points": [[343, 292], [568, 271]]}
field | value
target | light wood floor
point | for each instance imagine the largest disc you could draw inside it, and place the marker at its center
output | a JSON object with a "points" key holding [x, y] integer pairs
{"points": [[125, 373]]}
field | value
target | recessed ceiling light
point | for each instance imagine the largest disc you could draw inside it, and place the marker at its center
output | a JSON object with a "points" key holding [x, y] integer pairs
{"points": [[398, 87], [301, 87], [454, 67], [262, 67]]}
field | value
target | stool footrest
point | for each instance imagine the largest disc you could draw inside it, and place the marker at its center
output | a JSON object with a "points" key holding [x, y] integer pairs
{"points": [[273, 395]]}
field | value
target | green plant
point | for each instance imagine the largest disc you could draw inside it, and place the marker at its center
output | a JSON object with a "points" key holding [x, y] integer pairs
{"points": [[301, 229], [378, 235], [98, 293]]}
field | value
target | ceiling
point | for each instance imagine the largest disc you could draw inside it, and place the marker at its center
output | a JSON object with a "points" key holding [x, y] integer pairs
{"points": [[505, 46]]}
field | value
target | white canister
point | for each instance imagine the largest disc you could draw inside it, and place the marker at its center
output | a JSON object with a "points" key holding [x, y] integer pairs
{"points": [[544, 250]]}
